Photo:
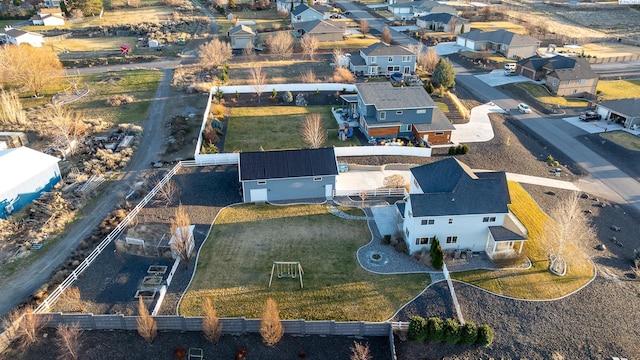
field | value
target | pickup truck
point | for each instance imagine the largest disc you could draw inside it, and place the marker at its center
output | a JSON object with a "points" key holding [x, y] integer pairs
{"points": [[589, 116]]}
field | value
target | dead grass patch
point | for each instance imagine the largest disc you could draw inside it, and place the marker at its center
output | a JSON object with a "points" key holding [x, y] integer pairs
{"points": [[624, 139]]}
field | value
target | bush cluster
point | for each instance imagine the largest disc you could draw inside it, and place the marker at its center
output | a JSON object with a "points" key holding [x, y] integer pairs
{"points": [[437, 256], [459, 150], [118, 100], [436, 330]]}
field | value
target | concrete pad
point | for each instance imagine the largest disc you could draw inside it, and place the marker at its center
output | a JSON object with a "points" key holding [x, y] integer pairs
{"points": [[356, 180], [497, 78], [479, 128], [536, 180], [447, 48], [595, 127], [385, 217]]}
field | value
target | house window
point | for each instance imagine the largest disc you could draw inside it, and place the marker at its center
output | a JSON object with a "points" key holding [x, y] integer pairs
{"points": [[555, 82], [582, 81], [399, 112], [390, 59], [415, 182], [406, 231], [383, 115], [319, 178], [262, 182], [489, 219], [393, 68], [423, 241], [439, 133], [452, 239], [298, 17], [428, 222], [406, 58], [372, 59], [405, 128], [450, 221], [421, 111]]}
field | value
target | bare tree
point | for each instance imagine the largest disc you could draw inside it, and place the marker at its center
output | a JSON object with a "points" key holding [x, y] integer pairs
{"points": [[70, 300], [309, 45], [313, 133], [338, 58], [214, 53], [428, 59], [283, 14], [182, 242], [24, 326], [249, 51], [168, 193], [11, 108], [147, 327], [211, 325], [68, 127], [308, 77], [360, 352], [396, 181], [271, 327], [280, 43], [68, 341], [363, 26], [29, 67], [343, 75], [569, 223], [258, 79], [386, 35]]}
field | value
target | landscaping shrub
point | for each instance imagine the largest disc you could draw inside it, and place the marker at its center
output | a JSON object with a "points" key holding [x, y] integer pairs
{"points": [[468, 333], [451, 331], [118, 100], [434, 244], [287, 97], [437, 259], [430, 89], [209, 148], [386, 240], [418, 329], [219, 94], [435, 331], [452, 150], [485, 335], [402, 247]]}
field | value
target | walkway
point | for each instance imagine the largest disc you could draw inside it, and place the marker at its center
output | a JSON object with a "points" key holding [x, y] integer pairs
{"points": [[479, 128]]}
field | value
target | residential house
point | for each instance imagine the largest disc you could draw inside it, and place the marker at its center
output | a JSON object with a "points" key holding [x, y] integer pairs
{"points": [[382, 59], [465, 210], [48, 17], [17, 37], [289, 5], [52, 3], [623, 111], [562, 75], [413, 9], [303, 12], [20, 184], [443, 22], [240, 36], [389, 112], [323, 30], [283, 175], [501, 41]]}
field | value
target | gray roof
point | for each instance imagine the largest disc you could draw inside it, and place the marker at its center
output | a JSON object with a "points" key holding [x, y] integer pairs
{"points": [[442, 18], [439, 122], [500, 36], [537, 62], [580, 70], [384, 96], [627, 107], [452, 188], [501, 233], [318, 27], [433, 7], [241, 29], [15, 33], [382, 49], [279, 164], [302, 8]]}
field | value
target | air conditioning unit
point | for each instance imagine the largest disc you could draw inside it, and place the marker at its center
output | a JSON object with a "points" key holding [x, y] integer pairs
{"points": [[8, 209]]}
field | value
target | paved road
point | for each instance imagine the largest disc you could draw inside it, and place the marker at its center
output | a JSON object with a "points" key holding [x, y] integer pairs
{"points": [[28, 280]]}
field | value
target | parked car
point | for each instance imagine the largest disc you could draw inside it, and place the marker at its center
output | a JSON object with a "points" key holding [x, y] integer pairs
{"points": [[510, 66], [524, 108], [510, 73], [589, 115], [346, 13]]}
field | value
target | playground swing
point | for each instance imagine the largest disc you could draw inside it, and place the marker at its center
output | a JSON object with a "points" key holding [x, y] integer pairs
{"points": [[286, 269]]}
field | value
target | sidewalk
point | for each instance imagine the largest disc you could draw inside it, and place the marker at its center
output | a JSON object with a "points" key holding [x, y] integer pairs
{"points": [[479, 128]]}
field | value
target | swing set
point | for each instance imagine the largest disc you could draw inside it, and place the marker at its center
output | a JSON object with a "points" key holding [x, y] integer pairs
{"points": [[286, 269]]}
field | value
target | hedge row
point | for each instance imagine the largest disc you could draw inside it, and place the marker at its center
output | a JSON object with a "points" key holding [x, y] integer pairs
{"points": [[436, 330]]}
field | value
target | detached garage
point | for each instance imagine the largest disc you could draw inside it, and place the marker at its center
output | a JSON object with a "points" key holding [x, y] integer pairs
{"points": [[26, 174], [288, 174]]}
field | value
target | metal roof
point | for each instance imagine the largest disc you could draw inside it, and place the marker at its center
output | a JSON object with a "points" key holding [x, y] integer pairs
{"points": [[279, 164], [18, 165]]}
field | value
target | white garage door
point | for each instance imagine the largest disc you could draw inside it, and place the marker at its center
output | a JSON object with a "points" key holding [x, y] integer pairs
{"points": [[258, 195]]}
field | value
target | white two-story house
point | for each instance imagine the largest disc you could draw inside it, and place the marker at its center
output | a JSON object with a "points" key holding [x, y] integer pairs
{"points": [[465, 210]]}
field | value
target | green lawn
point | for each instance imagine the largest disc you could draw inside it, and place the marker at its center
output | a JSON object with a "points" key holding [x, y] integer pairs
{"points": [[542, 95], [234, 266], [619, 89], [141, 84], [537, 282], [276, 127]]}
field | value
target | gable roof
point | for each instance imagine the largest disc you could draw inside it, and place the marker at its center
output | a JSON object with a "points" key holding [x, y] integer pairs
{"points": [[15, 33], [52, 11], [382, 49], [302, 8], [386, 97], [240, 30], [318, 27], [628, 107], [433, 6], [441, 18], [451, 188], [280, 164], [12, 161], [580, 70], [499, 36]]}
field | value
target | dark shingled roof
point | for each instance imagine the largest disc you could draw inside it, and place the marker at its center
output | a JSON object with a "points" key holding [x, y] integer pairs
{"points": [[437, 17], [382, 49], [556, 62], [500, 36], [384, 96], [501, 233], [452, 188], [581, 70], [318, 27], [302, 8], [279, 164], [626, 107], [241, 29]]}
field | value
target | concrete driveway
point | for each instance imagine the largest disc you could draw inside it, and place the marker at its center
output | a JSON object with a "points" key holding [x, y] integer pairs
{"points": [[479, 128], [497, 78], [595, 127]]}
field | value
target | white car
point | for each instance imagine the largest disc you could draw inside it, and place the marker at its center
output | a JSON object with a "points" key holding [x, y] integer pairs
{"points": [[524, 108]]}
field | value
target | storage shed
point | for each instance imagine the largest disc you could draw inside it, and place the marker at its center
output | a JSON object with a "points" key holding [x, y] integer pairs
{"points": [[284, 175], [26, 173]]}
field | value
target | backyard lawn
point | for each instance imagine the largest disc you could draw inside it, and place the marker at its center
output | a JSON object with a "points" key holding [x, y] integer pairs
{"points": [[234, 267], [536, 283], [624, 139], [542, 95], [496, 25], [276, 127], [619, 89], [279, 71]]}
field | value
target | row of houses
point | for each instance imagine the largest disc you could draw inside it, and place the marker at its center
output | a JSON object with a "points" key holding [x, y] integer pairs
{"points": [[45, 17]]}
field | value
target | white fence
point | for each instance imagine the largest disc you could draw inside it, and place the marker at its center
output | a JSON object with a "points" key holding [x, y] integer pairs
{"points": [[213, 159], [371, 193], [382, 150], [247, 89]]}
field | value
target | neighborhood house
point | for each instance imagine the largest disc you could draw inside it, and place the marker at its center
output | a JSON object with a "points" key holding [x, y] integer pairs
{"points": [[623, 111], [48, 17], [563, 75], [464, 210], [283, 175], [382, 59], [17, 37], [506, 43], [303, 12], [240, 36], [322, 30]]}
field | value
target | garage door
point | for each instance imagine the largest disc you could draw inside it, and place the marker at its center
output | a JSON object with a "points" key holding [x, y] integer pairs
{"points": [[258, 195]]}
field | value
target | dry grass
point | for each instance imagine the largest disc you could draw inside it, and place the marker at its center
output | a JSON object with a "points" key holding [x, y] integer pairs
{"points": [[542, 95], [234, 267], [496, 25], [271, 328], [211, 325], [278, 72], [610, 49], [537, 282], [624, 139], [619, 89], [352, 42], [154, 14], [147, 327], [92, 44]]}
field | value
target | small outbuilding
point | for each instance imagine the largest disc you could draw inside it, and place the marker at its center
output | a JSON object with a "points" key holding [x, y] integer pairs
{"points": [[284, 175], [26, 173], [240, 36]]}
